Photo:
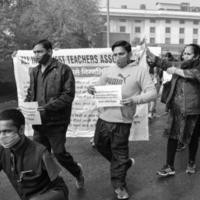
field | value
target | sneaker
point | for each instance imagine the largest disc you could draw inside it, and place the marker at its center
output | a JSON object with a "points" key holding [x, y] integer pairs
{"points": [[180, 147], [80, 180], [92, 142], [191, 168], [132, 162], [121, 193], [166, 171], [150, 115]]}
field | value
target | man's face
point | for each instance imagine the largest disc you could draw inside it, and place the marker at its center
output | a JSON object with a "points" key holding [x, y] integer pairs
{"points": [[39, 52], [121, 56], [9, 133]]}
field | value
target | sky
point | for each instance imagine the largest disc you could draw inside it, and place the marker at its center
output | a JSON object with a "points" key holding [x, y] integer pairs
{"points": [[150, 4]]}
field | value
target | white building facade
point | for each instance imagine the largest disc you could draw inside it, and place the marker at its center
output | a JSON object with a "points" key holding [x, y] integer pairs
{"points": [[158, 27]]}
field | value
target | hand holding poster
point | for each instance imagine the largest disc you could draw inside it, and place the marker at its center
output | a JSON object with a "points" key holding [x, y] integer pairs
{"points": [[31, 113], [108, 95]]}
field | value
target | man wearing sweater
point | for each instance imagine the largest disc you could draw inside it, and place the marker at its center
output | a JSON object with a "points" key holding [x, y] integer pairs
{"points": [[114, 123]]}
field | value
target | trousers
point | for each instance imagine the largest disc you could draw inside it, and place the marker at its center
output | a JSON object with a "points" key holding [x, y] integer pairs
{"points": [[54, 138], [111, 140]]}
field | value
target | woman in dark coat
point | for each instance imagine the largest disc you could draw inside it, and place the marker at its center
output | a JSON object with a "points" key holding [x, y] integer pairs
{"points": [[183, 103]]}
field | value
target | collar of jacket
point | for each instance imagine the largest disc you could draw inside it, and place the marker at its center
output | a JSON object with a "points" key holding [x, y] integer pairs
{"points": [[53, 64], [20, 145]]}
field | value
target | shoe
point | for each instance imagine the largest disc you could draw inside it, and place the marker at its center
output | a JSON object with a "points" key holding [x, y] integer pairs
{"points": [[121, 193], [132, 162], [92, 142], [180, 147], [166, 171], [80, 180], [191, 168], [150, 115]]}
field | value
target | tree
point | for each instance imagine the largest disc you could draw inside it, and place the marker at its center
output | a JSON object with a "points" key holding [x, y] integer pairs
{"points": [[67, 23]]}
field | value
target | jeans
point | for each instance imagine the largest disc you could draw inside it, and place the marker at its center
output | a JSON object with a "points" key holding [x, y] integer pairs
{"points": [[54, 138], [111, 140]]}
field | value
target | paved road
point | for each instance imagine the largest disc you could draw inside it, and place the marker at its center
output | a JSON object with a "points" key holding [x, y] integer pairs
{"points": [[142, 181]]}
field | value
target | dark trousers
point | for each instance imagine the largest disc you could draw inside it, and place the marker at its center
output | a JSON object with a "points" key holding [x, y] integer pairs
{"points": [[50, 195], [111, 140], [193, 146], [54, 138]]}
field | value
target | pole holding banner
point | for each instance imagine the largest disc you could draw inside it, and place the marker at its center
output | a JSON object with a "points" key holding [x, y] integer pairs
{"points": [[108, 24]]}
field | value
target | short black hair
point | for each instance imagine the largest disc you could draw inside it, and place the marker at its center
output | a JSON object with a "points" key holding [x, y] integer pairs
{"points": [[45, 43], [13, 114], [169, 56], [122, 43]]}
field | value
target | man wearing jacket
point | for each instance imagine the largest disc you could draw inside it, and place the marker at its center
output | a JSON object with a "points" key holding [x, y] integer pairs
{"points": [[52, 85], [28, 165], [114, 123]]}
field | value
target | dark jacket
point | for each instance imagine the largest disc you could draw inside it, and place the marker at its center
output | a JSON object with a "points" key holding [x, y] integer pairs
{"points": [[58, 90], [190, 84], [24, 166]]}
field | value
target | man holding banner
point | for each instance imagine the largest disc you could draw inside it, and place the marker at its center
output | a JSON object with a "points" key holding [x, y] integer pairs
{"points": [[114, 123], [52, 85]]}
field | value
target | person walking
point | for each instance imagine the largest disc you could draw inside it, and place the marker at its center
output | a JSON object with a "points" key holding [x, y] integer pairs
{"points": [[52, 85], [114, 123], [183, 103], [28, 165]]}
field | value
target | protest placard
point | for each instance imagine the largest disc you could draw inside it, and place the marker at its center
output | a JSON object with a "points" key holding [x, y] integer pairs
{"points": [[31, 113], [108, 95]]}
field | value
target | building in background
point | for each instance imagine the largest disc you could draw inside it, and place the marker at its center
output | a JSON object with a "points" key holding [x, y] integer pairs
{"points": [[170, 26]]}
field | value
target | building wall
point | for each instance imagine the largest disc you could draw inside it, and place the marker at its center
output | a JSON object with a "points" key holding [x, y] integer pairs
{"points": [[153, 25], [160, 26]]}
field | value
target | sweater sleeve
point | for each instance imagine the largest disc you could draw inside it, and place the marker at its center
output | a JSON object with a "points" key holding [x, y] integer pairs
{"points": [[148, 89]]}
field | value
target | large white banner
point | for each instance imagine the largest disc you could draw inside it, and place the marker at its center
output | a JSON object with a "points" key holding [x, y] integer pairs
{"points": [[87, 65]]}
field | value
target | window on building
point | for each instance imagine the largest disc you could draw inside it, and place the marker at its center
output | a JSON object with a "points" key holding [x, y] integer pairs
{"points": [[122, 29], [152, 29], [182, 21], [167, 30], [152, 20], [181, 30], [152, 40], [122, 20], [181, 41], [196, 22], [167, 21], [167, 40], [195, 30], [137, 29], [195, 41], [138, 21]]}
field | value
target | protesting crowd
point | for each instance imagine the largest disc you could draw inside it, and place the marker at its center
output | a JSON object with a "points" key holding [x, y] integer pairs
{"points": [[33, 165]]}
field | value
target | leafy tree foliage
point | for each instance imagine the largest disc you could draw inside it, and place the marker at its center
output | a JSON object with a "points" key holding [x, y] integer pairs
{"points": [[67, 23]]}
